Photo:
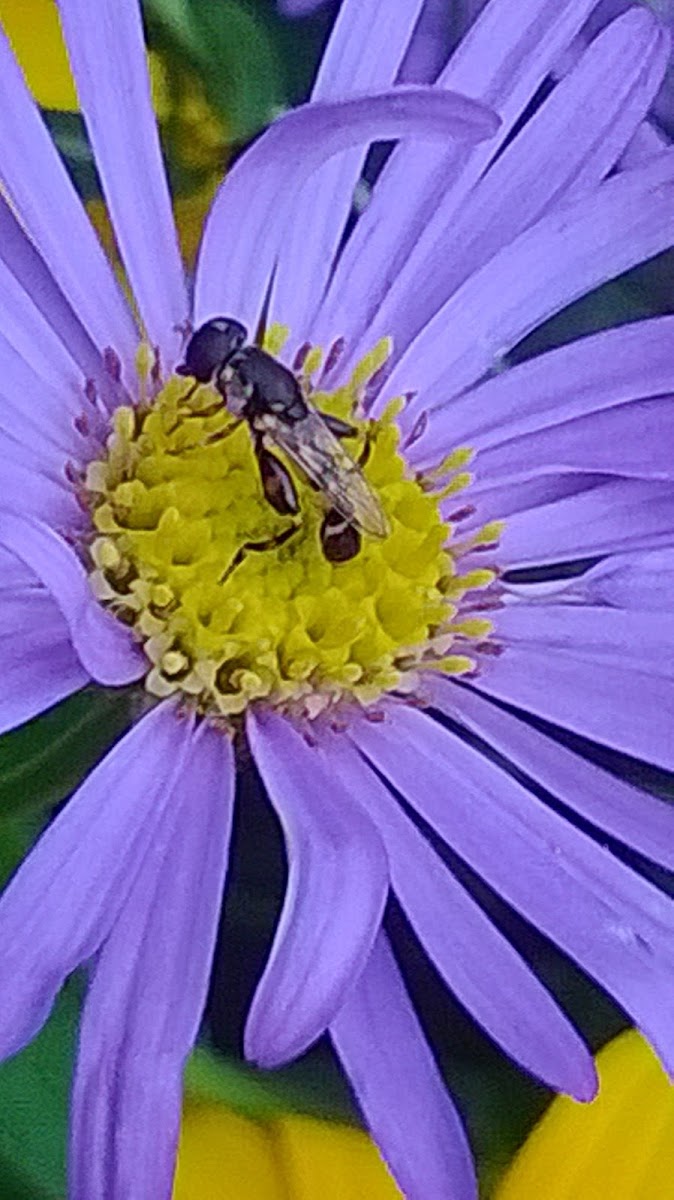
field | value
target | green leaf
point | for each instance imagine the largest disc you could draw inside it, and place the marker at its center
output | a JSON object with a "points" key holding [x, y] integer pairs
{"points": [[44, 760], [34, 1092], [210, 1077], [232, 48]]}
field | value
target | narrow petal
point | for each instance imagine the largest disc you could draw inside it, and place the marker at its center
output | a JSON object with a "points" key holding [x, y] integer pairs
{"points": [[430, 44], [586, 376], [38, 494], [104, 646], [502, 61], [14, 575], [623, 705], [324, 203], [632, 440], [592, 113], [483, 970], [605, 519], [253, 209], [63, 901], [612, 637], [612, 922], [46, 201], [640, 582], [398, 1086], [108, 61], [39, 664], [529, 497], [29, 334], [337, 886], [32, 275], [628, 219], [148, 990], [611, 804]]}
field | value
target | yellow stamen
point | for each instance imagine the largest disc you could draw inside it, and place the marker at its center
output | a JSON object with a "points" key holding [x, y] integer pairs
{"points": [[177, 497]]}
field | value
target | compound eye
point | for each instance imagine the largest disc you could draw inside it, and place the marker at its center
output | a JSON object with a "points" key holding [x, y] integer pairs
{"points": [[210, 347]]}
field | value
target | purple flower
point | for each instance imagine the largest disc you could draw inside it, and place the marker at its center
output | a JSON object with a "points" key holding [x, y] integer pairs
{"points": [[130, 503]]}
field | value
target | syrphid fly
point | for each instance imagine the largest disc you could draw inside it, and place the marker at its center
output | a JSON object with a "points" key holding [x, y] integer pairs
{"points": [[260, 390]]}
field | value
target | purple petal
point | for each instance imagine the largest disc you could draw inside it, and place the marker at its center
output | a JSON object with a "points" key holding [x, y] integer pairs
{"points": [[39, 495], [320, 212], [252, 211], [502, 62], [628, 219], [594, 373], [48, 206], [14, 575], [337, 886], [398, 1086], [616, 516], [630, 440], [523, 496], [612, 637], [621, 704], [612, 922], [63, 901], [104, 646], [591, 114], [30, 336], [109, 64], [634, 817], [641, 582], [148, 990], [429, 48], [39, 416], [39, 664], [479, 965], [60, 322]]}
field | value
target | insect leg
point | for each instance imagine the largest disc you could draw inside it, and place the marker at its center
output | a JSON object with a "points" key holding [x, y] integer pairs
{"points": [[268, 544], [341, 429]]}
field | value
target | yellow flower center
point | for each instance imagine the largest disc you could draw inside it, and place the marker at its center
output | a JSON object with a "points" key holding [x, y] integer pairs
{"points": [[177, 499]]}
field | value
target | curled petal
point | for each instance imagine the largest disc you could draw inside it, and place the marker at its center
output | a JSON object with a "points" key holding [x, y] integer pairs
{"points": [[104, 646], [337, 886], [322, 208], [249, 218], [39, 665]]}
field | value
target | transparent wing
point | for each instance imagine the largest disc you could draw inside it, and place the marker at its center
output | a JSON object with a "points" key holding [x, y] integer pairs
{"points": [[320, 455]]}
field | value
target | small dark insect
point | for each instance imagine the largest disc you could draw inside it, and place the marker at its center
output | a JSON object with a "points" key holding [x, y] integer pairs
{"points": [[258, 389]]}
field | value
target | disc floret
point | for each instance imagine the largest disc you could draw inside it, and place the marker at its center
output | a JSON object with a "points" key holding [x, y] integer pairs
{"points": [[178, 494]]}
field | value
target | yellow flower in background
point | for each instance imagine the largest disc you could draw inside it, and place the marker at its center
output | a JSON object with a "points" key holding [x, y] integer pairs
{"points": [[35, 33], [225, 1156], [620, 1147], [195, 135]]}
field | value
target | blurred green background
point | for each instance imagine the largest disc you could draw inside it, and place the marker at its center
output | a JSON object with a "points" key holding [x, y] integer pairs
{"points": [[220, 72]]}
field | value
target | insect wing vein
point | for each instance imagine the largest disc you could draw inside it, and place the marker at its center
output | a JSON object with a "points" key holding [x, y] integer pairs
{"points": [[323, 459]]}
